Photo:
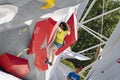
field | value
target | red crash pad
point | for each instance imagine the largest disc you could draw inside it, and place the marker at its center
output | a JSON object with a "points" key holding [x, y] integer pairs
{"points": [[43, 30], [41, 38], [51, 31], [72, 38], [14, 65], [40, 58]]}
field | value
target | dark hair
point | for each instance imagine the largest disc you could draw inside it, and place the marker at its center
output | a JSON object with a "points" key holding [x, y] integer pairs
{"points": [[80, 67], [64, 25]]}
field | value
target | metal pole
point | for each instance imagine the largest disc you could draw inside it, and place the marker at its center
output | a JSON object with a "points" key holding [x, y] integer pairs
{"points": [[101, 15], [92, 33], [96, 32], [91, 47], [92, 4]]}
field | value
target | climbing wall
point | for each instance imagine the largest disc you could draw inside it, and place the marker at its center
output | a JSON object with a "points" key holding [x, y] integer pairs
{"points": [[106, 67]]}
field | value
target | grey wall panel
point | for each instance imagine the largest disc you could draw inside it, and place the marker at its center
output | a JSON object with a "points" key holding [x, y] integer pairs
{"points": [[107, 68], [30, 9], [15, 40]]}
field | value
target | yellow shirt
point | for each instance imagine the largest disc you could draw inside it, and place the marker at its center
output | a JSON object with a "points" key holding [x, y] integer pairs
{"points": [[60, 36]]}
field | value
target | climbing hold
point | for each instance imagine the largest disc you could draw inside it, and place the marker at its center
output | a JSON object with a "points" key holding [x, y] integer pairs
{"points": [[49, 4]]}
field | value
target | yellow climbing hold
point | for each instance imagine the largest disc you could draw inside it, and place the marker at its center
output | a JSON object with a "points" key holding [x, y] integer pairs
{"points": [[49, 4], [24, 29], [22, 52]]}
